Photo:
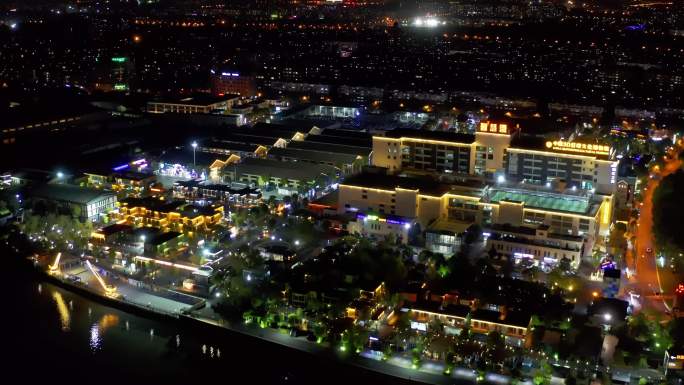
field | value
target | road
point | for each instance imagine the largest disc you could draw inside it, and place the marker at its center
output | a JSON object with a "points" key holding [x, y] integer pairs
{"points": [[648, 277]]}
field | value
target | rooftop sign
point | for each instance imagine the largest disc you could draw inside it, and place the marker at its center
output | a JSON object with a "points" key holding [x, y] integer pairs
{"points": [[585, 148], [494, 128]]}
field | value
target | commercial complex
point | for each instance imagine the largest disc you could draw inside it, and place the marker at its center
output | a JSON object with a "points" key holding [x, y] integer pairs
{"points": [[551, 216], [497, 150]]}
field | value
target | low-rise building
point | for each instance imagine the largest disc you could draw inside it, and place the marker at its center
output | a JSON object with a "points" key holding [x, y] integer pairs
{"points": [[167, 216], [445, 237], [111, 233], [535, 243], [377, 226], [348, 164], [83, 203], [198, 104], [512, 325], [238, 194], [286, 177]]}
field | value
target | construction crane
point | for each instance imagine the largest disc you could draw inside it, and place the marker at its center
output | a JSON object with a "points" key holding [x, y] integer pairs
{"points": [[110, 291], [54, 268]]}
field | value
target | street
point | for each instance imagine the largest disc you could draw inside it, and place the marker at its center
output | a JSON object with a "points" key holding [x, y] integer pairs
{"points": [[643, 256]]}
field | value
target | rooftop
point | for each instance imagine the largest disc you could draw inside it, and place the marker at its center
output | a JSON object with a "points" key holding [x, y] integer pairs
{"points": [[330, 147], [235, 188], [312, 155], [541, 200], [185, 157], [133, 175], [193, 211], [152, 204], [252, 138], [514, 318], [275, 127], [229, 146], [537, 143], [283, 170], [357, 142], [69, 193], [347, 133], [446, 136], [113, 229], [159, 239], [381, 181], [451, 227], [196, 100]]}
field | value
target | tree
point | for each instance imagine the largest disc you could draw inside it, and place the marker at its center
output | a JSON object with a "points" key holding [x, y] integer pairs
{"points": [[617, 239], [668, 212], [564, 264], [473, 234], [494, 339], [543, 374]]}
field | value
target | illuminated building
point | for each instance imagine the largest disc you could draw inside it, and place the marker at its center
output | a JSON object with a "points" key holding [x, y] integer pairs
{"points": [[114, 74], [379, 227], [85, 203], [512, 325], [497, 149], [572, 164], [348, 164], [234, 194], [110, 233], [167, 216], [198, 104], [674, 362], [232, 83], [125, 177], [534, 244], [444, 206], [287, 177], [444, 152]]}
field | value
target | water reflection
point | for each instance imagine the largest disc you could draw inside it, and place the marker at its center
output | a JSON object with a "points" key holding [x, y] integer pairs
{"points": [[108, 320], [95, 340], [64, 315], [98, 329]]}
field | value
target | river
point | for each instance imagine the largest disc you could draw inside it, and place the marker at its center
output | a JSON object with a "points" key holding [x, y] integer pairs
{"points": [[57, 335]]}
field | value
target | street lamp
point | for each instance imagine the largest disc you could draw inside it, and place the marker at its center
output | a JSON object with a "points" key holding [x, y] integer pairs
{"points": [[60, 175], [194, 147]]}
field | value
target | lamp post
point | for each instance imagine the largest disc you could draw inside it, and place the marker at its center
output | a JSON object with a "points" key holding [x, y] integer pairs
{"points": [[194, 147]]}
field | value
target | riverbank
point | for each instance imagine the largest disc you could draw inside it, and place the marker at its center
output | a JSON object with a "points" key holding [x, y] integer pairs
{"points": [[218, 328]]}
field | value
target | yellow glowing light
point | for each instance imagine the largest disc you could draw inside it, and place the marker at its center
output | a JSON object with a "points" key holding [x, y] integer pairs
{"points": [[55, 266], [63, 310], [110, 291], [586, 148], [166, 263]]}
